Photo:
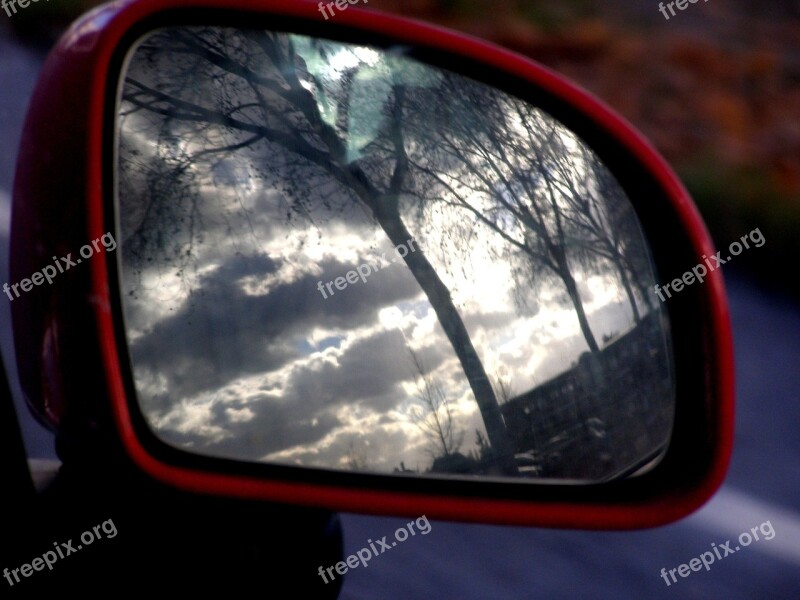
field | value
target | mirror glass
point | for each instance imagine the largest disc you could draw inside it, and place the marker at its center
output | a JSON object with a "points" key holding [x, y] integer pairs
{"points": [[335, 256]]}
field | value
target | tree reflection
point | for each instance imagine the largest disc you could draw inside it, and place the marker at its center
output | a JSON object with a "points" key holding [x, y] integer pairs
{"points": [[434, 415], [231, 140]]}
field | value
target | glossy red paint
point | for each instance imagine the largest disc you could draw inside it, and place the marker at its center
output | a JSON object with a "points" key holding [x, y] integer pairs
{"points": [[70, 168]]}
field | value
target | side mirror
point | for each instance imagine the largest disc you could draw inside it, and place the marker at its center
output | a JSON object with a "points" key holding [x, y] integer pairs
{"points": [[365, 264]]}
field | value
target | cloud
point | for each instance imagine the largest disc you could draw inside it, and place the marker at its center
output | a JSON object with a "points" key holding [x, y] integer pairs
{"points": [[223, 333]]}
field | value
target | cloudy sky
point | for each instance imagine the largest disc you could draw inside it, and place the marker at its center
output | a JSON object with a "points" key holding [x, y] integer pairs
{"points": [[244, 347]]}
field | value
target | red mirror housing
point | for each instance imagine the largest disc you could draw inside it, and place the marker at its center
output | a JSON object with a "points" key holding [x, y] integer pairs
{"points": [[70, 347]]}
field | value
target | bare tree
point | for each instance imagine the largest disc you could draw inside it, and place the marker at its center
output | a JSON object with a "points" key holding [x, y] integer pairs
{"points": [[219, 92], [503, 389], [604, 220], [502, 157], [433, 415], [356, 459]]}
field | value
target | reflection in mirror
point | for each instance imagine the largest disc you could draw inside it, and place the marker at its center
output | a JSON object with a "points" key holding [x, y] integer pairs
{"points": [[335, 256]]}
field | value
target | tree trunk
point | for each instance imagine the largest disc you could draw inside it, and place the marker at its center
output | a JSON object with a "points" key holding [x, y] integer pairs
{"points": [[386, 211], [628, 290], [572, 290]]}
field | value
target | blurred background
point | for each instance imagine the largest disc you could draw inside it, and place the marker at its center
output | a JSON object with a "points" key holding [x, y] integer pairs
{"points": [[716, 88]]}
